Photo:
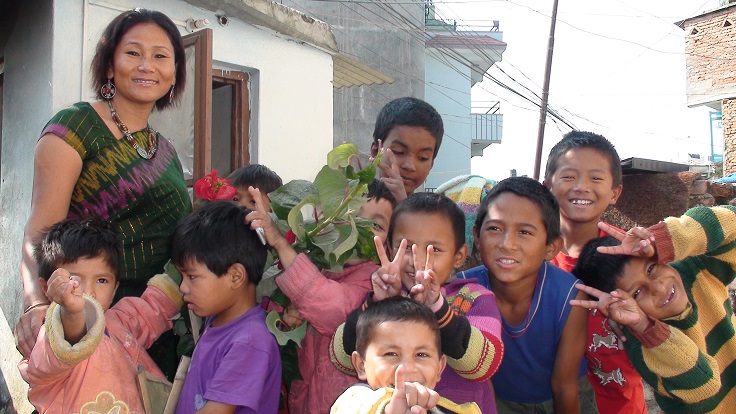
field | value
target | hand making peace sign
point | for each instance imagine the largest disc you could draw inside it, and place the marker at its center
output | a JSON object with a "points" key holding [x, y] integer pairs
{"points": [[426, 290], [387, 279]]}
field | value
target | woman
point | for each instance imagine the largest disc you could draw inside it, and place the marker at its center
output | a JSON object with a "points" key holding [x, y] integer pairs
{"points": [[89, 162]]}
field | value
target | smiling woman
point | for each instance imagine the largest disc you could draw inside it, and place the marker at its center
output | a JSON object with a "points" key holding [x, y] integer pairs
{"points": [[103, 159]]}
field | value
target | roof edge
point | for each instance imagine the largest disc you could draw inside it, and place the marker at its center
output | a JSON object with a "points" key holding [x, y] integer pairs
{"points": [[712, 13]]}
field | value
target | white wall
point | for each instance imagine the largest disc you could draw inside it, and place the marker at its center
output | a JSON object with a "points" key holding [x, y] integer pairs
{"points": [[448, 90]]}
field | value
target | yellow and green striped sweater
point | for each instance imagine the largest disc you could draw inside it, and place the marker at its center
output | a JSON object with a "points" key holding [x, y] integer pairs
{"points": [[690, 359]]}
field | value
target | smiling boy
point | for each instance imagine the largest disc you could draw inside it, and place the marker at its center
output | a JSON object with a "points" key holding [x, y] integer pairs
{"points": [[668, 287]]}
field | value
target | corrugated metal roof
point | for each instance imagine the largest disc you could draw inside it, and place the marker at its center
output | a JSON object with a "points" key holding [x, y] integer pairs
{"points": [[350, 72], [635, 165]]}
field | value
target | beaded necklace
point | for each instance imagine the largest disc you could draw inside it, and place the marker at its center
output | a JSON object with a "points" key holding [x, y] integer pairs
{"points": [[152, 143]]}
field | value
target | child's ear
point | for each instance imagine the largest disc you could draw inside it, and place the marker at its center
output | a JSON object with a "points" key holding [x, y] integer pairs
{"points": [[359, 365], [374, 149], [553, 248], [237, 274], [443, 365], [460, 256], [44, 284], [616, 194]]}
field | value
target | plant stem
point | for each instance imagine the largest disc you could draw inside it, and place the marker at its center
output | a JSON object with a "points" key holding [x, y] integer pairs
{"points": [[337, 212]]}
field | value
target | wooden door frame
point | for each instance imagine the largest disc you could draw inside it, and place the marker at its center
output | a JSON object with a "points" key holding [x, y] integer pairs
{"points": [[240, 139], [202, 42]]}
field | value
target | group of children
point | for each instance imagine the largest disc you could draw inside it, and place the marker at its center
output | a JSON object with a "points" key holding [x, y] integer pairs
{"points": [[517, 334]]}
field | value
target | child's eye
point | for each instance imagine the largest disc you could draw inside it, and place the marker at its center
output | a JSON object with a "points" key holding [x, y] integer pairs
{"points": [[397, 152], [191, 277], [102, 280], [650, 269], [236, 199], [636, 294], [436, 250], [423, 355], [390, 354], [423, 159], [525, 232]]}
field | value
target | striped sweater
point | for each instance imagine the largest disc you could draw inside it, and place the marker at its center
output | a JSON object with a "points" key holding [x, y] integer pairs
{"points": [[690, 359]]}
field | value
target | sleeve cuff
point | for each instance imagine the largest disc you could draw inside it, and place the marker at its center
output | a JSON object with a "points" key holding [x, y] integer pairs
{"points": [[663, 242], [298, 278], [654, 336], [166, 284], [65, 352]]}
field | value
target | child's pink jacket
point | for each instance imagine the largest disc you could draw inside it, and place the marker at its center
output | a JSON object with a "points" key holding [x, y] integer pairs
{"points": [[98, 373], [324, 299]]}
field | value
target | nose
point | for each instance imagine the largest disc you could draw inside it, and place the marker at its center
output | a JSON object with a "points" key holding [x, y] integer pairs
{"points": [[658, 287], [184, 287], [508, 241], [407, 163], [582, 184], [145, 65]]}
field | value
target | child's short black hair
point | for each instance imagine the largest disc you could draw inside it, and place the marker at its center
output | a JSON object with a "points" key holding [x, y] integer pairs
{"points": [[600, 270], [395, 309], [377, 190], [73, 239], [431, 203], [531, 190], [256, 175], [217, 235], [410, 112], [584, 139]]}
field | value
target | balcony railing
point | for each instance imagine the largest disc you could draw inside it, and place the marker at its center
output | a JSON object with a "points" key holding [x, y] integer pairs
{"points": [[487, 130]]}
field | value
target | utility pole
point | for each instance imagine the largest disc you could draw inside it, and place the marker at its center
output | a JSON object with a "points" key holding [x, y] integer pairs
{"points": [[545, 92]]}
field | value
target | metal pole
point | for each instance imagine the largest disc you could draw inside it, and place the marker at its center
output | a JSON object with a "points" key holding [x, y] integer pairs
{"points": [[545, 92]]}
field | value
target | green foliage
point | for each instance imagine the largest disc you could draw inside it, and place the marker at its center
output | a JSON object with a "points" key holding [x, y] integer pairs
{"points": [[322, 215]]}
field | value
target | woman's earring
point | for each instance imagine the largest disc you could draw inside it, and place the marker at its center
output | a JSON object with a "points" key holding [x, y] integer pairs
{"points": [[108, 90], [171, 94]]}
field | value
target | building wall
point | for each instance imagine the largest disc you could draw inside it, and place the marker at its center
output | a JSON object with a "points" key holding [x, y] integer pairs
{"points": [[711, 57], [369, 33], [448, 90], [728, 109]]}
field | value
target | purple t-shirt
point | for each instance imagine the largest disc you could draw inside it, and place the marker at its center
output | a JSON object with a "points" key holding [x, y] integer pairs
{"points": [[238, 364]]}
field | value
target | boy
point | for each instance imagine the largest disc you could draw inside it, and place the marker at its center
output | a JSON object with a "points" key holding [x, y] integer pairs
{"points": [[256, 176], [411, 130], [668, 287], [584, 174], [236, 365], [518, 231], [84, 340], [323, 299], [466, 312], [398, 353]]}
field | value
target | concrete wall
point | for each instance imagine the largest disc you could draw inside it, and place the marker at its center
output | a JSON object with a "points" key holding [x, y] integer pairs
{"points": [[372, 34], [46, 58], [448, 90]]}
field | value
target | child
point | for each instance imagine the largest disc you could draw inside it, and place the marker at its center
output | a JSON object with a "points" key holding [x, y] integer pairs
{"points": [[256, 176], [398, 353], [668, 287], [84, 341], [467, 313], [518, 231], [323, 299], [584, 174], [236, 365], [411, 130]]}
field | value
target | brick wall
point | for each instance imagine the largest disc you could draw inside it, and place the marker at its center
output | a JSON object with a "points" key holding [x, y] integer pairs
{"points": [[711, 53], [728, 108]]}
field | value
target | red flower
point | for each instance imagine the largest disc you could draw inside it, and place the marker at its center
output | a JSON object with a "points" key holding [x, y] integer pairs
{"points": [[211, 188], [290, 236]]}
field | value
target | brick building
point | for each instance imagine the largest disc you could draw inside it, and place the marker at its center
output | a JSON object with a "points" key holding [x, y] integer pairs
{"points": [[711, 69]]}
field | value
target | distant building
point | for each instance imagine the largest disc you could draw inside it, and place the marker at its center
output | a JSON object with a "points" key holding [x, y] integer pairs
{"points": [[711, 69], [454, 62]]}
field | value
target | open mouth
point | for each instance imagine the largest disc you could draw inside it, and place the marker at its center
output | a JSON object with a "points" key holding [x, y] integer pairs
{"points": [[579, 202], [670, 297]]}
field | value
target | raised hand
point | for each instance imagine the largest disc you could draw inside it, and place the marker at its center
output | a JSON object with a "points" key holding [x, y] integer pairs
{"points": [[259, 218], [387, 279], [64, 289], [391, 175], [618, 306], [426, 290], [410, 397], [636, 242]]}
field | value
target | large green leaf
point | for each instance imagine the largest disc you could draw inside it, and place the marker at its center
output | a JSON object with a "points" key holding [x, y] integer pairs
{"points": [[332, 188], [365, 244], [286, 197], [341, 155], [297, 220], [367, 174]]}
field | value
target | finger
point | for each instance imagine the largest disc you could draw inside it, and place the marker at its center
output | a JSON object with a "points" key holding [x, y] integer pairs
{"points": [[378, 281], [587, 304], [434, 398], [418, 265], [616, 329], [399, 258], [613, 231], [429, 264], [382, 257], [590, 290], [417, 410], [621, 294], [257, 199], [399, 386], [611, 249]]}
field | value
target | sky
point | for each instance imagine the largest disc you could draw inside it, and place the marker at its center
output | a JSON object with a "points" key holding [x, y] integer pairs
{"points": [[618, 69]]}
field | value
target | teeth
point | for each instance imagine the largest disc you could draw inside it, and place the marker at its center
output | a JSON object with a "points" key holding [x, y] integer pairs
{"points": [[582, 202], [507, 261], [672, 293]]}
